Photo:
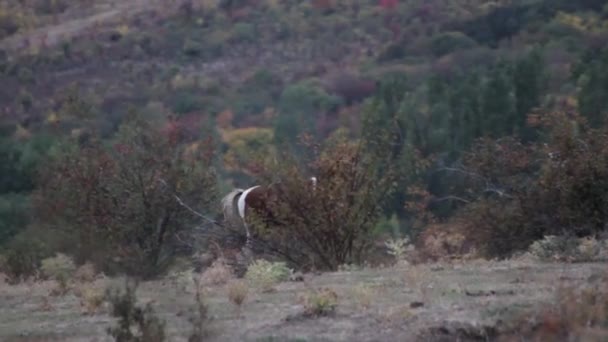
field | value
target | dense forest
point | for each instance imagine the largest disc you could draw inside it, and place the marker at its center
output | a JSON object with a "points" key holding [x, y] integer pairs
{"points": [[485, 117]]}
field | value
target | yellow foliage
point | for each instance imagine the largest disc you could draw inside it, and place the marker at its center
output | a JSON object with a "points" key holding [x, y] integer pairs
{"points": [[245, 143], [21, 133], [123, 29], [52, 118], [584, 24]]}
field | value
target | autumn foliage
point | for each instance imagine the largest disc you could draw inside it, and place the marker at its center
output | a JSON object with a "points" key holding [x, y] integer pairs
{"points": [[332, 223], [526, 191], [118, 201]]}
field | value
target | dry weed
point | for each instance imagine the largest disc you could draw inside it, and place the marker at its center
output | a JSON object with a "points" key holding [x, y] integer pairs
{"points": [[418, 279], [394, 315], [321, 302], [92, 298], [237, 293], [219, 273], [578, 314], [86, 273], [363, 295]]}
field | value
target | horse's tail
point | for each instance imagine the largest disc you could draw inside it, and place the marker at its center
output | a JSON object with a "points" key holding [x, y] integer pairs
{"points": [[229, 206]]}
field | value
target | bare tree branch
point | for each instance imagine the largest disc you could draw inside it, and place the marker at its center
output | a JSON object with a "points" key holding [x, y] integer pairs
{"points": [[183, 204]]}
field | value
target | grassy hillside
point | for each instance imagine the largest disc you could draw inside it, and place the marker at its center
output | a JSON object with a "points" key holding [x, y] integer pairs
{"points": [[206, 57], [253, 75]]}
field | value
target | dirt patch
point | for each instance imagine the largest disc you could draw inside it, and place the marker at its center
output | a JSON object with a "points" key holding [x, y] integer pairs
{"points": [[465, 302]]}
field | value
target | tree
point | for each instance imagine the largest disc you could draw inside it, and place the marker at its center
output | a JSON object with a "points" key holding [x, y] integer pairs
{"points": [[298, 106], [591, 73], [118, 200]]}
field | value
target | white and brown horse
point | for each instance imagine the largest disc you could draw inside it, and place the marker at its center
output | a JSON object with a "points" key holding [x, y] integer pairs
{"points": [[240, 204]]}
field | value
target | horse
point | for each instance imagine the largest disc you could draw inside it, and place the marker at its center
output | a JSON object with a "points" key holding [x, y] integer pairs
{"points": [[238, 204]]}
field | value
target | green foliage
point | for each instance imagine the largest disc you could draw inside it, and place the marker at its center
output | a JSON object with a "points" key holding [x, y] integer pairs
{"points": [[14, 215], [186, 101], [244, 32], [321, 302], [135, 324], [592, 76], [19, 163], [60, 267], [265, 274], [448, 42], [24, 253], [299, 104]]}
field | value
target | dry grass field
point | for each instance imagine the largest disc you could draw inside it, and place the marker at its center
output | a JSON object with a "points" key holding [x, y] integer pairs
{"points": [[468, 301]]}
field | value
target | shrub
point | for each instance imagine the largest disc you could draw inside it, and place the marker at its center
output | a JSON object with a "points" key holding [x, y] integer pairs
{"points": [[237, 293], [528, 191], [86, 273], [119, 201], [244, 32], [8, 25], [23, 256], [321, 302], [218, 273], [399, 248], [92, 297], [265, 274], [59, 268], [200, 318], [134, 323], [364, 295], [335, 223], [563, 248]]}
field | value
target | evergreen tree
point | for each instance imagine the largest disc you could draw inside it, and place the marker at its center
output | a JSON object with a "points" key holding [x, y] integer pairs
{"points": [[592, 76]]}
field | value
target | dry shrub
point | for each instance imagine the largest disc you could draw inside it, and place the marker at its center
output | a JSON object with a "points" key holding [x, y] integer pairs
{"points": [[395, 315], [91, 297], [335, 222], [363, 295], [443, 241], [321, 302], [86, 273], [237, 292], [200, 318], [117, 202], [219, 273], [561, 248], [579, 314], [528, 191], [134, 323]]}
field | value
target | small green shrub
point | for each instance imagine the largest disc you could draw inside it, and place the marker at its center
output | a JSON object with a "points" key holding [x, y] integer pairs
{"points": [[399, 248], [320, 303], [23, 256], [58, 267], [265, 274]]}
